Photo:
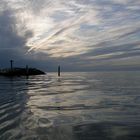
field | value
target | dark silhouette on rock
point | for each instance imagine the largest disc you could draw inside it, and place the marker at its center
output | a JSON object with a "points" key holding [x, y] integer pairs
{"points": [[21, 72], [11, 63]]}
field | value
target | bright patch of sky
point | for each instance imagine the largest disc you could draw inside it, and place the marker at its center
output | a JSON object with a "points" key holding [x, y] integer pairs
{"points": [[95, 29]]}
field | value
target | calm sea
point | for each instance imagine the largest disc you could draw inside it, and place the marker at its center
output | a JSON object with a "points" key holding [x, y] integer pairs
{"points": [[76, 106]]}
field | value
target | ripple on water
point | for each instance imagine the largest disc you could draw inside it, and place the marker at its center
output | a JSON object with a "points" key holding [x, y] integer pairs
{"points": [[76, 106]]}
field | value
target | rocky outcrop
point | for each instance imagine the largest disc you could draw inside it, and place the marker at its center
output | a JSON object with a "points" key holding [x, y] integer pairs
{"points": [[21, 72]]}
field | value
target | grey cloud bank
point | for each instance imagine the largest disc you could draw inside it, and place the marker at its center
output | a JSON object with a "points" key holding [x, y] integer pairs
{"points": [[81, 35]]}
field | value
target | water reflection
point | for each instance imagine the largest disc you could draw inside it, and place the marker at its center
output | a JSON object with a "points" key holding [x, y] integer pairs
{"points": [[13, 99], [76, 106], [106, 131]]}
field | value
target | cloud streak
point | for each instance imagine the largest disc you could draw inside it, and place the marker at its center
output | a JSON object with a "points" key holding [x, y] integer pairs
{"points": [[80, 30]]}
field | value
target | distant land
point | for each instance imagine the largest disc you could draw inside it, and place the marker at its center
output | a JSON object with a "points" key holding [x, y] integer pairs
{"points": [[16, 71], [20, 72]]}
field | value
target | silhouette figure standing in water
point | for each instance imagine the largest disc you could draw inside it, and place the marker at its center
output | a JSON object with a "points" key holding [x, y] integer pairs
{"points": [[59, 71]]}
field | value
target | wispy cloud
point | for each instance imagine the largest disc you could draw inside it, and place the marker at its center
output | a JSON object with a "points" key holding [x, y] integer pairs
{"points": [[98, 30]]}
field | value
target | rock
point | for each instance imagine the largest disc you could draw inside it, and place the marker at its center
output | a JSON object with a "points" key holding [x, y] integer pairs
{"points": [[21, 72]]}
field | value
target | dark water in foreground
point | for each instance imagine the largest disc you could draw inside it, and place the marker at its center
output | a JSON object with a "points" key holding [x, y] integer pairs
{"points": [[77, 106]]}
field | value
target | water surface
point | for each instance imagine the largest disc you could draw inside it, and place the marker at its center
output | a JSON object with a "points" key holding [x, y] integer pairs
{"points": [[76, 106]]}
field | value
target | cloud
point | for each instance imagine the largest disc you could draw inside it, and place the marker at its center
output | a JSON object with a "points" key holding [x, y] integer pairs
{"points": [[12, 42], [76, 31]]}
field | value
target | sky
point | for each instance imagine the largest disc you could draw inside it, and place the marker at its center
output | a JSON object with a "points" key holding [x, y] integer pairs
{"points": [[79, 35]]}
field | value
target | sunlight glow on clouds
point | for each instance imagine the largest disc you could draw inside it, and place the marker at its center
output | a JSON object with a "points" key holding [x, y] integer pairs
{"points": [[93, 29], [56, 25]]}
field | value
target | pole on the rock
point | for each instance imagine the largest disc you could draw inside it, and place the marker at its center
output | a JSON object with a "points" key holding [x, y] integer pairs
{"points": [[27, 71], [11, 62]]}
